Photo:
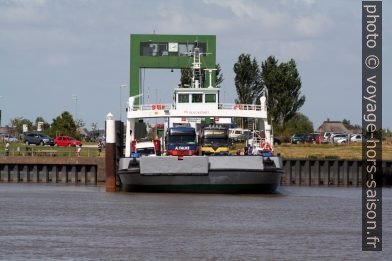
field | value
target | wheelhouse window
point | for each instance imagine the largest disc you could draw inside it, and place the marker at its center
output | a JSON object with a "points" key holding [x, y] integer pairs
{"points": [[153, 49], [183, 98], [197, 98], [172, 49], [210, 98], [185, 49]]}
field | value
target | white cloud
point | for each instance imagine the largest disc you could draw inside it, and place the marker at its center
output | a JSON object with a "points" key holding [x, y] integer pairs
{"points": [[247, 11], [181, 21], [21, 15], [314, 25], [240, 8]]}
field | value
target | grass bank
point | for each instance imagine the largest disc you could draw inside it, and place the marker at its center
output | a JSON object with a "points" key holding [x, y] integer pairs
{"points": [[327, 151], [323, 151], [37, 150]]}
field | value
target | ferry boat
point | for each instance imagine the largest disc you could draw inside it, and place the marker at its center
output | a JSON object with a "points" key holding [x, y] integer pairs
{"points": [[209, 173]]}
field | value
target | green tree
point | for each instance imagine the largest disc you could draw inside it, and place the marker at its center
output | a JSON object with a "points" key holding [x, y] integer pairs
{"points": [[18, 122], [386, 134], [349, 126], [45, 126], [247, 79], [299, 123], [64, 125], [347, 123], [186, 76], [94, 131], [283, 85], [79, 123], [219, 76]]}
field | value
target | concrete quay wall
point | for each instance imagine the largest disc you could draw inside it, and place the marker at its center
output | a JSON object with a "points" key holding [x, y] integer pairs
{"points": [[328, 172], [74, 170], [91, 170]]}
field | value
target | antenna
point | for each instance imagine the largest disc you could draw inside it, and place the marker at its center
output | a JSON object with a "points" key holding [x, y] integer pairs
{"points": [[75, 99], [210, 77], [196, 68]]}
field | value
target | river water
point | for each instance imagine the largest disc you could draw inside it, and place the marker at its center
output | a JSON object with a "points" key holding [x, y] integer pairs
{"points": [[49, 222]]}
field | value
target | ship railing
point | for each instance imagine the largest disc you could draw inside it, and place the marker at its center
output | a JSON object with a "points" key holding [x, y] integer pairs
{"points": [[221, 106], [245, 107]]}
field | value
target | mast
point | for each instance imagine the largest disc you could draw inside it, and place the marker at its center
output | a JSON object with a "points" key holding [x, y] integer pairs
{"points": [[196, 69]]}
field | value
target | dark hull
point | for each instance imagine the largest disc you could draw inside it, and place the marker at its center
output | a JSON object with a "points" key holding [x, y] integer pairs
{"points": [[201, 174], [203, 188], [215, 182]]}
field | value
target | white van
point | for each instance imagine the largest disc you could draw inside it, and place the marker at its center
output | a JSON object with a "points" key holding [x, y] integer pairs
{"points": [[146, 148]]}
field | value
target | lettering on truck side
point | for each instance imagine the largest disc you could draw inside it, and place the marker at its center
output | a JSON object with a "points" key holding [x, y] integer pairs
{"points": [[182, 148]]}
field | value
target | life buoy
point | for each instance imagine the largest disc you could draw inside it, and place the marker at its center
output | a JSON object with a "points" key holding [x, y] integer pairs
{"points": [[266, 146]]}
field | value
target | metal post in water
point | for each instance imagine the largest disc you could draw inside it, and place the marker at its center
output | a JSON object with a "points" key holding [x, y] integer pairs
{"points": [[110, 154]]}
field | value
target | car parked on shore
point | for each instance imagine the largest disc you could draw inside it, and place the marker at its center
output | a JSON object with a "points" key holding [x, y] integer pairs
{"points": [[8, 138], [298, 138], [313, 138], [66, 141], [339, 138], [37, 139], [356, 138]]}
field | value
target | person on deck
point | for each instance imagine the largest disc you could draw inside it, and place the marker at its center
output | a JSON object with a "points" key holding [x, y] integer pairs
{"points": [[250, 150]]}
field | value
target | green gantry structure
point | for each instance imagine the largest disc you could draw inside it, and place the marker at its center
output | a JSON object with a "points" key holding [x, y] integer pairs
{"points": [[169, 52]]}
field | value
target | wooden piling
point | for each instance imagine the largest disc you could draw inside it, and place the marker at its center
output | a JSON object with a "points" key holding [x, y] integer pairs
{"points": [[110, 154]]}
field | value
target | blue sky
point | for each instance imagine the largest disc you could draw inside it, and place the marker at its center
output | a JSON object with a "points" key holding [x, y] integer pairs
{"points": [[51, 50]]}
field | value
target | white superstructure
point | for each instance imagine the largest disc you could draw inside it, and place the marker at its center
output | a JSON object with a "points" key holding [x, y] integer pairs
{"points": [[193, 103]]}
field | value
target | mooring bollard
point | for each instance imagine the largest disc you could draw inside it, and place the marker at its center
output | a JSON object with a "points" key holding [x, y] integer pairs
{"points": [[110, 154]]}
